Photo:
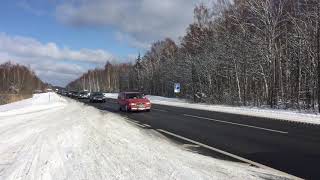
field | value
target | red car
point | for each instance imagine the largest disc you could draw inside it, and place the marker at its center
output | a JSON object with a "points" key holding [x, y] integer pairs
{"points": [[133, 101]]}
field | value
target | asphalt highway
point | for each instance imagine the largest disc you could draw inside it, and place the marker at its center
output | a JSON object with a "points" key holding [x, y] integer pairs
{"points": [[293, 148]]}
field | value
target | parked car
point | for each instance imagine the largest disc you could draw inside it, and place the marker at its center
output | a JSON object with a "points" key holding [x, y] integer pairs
{"points": [[97, 97], [133, 101], [84, 95]]}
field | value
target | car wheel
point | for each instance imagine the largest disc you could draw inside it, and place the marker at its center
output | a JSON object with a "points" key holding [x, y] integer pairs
{"points": [[120, 108], [148, 110]]}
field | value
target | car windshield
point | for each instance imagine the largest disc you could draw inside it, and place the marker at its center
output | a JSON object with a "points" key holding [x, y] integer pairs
{"points": [[134, 96]]}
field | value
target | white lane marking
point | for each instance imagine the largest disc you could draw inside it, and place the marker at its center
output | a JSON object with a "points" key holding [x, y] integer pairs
{"points": [[190, 145], [237, 124], [230, 155], [160, 110], [136, 123], [147, 125]]}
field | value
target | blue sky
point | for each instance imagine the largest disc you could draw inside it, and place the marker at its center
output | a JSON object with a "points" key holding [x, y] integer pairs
{"points": [[61, 39]]}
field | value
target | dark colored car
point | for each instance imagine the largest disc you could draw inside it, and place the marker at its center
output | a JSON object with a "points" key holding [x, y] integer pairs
{"points": [[71, 94], [64, 93], [133, 101], [97, 97], [75, 94]]}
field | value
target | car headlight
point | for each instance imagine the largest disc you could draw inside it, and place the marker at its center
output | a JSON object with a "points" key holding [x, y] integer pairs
{"points": [[148, 103], [133, 104]]}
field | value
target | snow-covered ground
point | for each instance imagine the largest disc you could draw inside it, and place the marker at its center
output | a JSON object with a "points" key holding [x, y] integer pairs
{"points": [[286, 115], [37, 102], [64, 139]]}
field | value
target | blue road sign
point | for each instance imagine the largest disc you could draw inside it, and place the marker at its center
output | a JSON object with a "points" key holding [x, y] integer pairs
{"points": [[177, 88]]}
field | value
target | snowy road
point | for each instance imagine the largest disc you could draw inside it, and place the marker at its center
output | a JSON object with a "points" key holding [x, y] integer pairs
{"points": [[42, 138]]}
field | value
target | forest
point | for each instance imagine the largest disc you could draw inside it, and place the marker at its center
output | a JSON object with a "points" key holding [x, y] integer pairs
{"points": [[245, 53], [17, 82], [19, 79]]}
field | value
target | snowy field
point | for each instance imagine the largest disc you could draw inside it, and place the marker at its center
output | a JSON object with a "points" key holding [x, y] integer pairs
{"points": [[285, 115], [55, 138]]}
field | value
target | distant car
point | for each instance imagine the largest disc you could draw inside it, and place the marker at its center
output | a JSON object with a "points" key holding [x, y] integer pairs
{"points": [[97, 97], [75, 94], [83, 95], [64, 93], [133, 101], [69, 93]]}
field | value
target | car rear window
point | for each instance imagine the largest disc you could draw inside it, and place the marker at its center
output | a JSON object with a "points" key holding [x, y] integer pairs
{"points": [[134, 96]]}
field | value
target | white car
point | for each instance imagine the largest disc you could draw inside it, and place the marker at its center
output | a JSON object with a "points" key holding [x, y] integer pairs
{"points": [[84, 95]]}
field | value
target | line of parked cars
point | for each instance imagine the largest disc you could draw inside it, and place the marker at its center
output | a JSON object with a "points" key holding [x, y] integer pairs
{"points": [[127, 101], [92, 96]]}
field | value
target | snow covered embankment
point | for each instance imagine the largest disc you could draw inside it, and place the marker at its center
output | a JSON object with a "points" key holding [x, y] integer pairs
{"points": [[69, 140], [38, 102], [285, 115]]}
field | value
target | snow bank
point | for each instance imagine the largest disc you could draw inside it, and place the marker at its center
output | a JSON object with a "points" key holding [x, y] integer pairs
{"points": [[38, 102], [248, 111], [286, 115], [76, 141]]}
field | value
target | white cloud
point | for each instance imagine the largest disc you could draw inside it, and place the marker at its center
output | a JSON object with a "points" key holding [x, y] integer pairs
{"points": [[59, 78], [50, 62], [29, 47], [143, 21]]}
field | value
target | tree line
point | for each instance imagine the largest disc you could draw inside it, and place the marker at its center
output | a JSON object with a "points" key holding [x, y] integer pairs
{"points": [[18, 79], [249, 52], [111, 78]]}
